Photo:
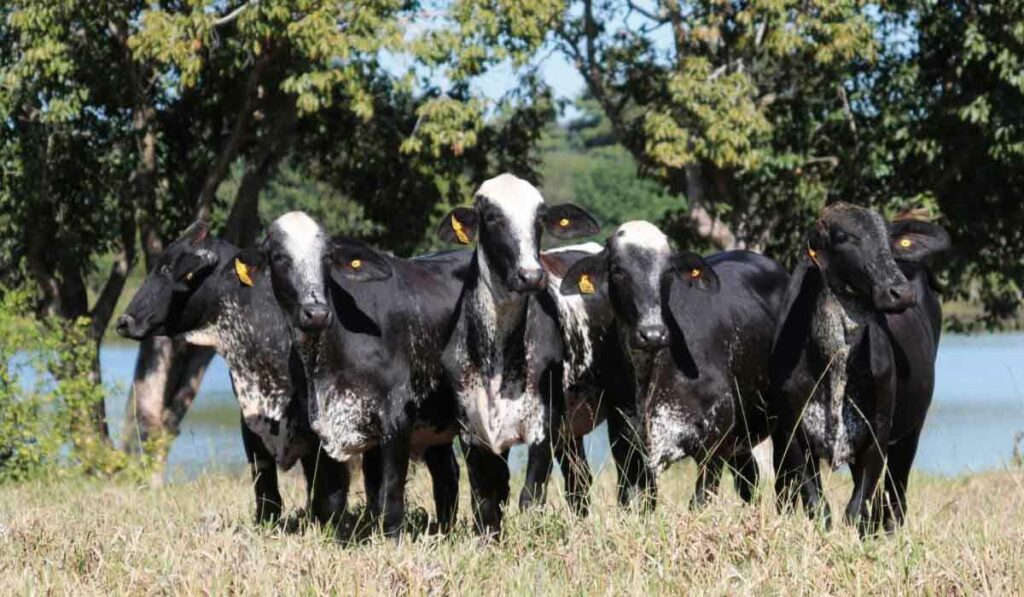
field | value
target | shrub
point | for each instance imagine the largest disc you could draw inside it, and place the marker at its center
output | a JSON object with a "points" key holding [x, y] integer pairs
{"points": [[49, 393]]}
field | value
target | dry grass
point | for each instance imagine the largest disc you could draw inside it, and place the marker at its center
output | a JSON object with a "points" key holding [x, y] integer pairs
{"points": [[964, 535]]}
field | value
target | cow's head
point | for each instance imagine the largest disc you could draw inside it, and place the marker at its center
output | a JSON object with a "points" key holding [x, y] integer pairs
{"points": [[852, 247], [161, 307], [302, 257], [509, 216], [638, 268]]}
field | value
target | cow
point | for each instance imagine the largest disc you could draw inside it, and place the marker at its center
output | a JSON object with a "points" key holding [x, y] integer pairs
{"points": [[586, 388], [697, 333], [370, 329], [853, 363], [201, 290], [505, 358]]}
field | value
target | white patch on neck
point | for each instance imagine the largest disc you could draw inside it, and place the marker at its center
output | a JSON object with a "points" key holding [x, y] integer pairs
{"points": [[305, 242], [831, 420], [263, 388], [587, 247], [574, 326]]}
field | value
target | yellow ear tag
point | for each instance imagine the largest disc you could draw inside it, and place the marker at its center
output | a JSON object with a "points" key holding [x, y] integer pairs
{"points": [[460, 233], [243, 272], [814, 256], [356, 263], [564, 222], [905, 243], [586, 287], [695, 273]]}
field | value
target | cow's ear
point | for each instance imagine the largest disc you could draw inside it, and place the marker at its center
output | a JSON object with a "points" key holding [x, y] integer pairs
{"points": [[196, 232], [459, 226], [696, 272], [358, 262], [585, 276], [566, 221], [249, 265], [917, 240]]}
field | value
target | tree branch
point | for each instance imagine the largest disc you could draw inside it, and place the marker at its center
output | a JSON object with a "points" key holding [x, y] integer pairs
{"points": [[103, 308], [234, 14], [233, 143]]}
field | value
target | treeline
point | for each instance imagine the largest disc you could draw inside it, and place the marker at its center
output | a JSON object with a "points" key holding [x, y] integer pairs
{"points": [[730, 122]]}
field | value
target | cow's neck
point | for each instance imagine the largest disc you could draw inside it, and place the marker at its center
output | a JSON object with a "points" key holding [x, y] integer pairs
{"points": [[494, 319], [838, 323], [243, 334]]}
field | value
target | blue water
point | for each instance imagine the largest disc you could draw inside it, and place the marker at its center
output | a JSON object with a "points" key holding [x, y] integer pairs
{"points": [[977, 411]]}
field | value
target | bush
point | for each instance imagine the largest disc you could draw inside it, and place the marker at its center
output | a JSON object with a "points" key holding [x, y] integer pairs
{"points": [[49, 393]]}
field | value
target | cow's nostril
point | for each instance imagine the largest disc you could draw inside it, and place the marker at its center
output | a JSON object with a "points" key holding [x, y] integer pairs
{"points": [[124, 324]]}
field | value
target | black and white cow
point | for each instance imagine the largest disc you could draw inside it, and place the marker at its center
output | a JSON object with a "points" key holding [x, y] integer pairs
{"points": [[853, 364], [201, 289], [697, 333], [512, 343], [370, 329]]}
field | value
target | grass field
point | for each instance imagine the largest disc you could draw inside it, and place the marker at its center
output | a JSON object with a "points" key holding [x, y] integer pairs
{"points": [[965, 535]]}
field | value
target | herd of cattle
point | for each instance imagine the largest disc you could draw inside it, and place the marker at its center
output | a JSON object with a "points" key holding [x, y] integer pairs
{"points": [[336, 350]]}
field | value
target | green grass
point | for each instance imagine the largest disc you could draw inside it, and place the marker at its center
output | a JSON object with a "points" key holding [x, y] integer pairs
{"points": [[94, 537]]}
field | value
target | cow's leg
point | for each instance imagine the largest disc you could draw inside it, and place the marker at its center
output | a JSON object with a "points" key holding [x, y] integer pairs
{"points": [[901, 457], [488, 480], [372, 470], [394, 452], [788, 459], [538, 471], [708, 476], [636, 481], [444, 472], [264, 477], [326, 486], [812, 490], [745, 475], [870, 460], [576, 472]]}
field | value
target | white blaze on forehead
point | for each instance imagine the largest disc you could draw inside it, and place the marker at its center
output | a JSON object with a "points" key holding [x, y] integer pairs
{"points": [[304, 241], [647, 238], [519, 201], [643, 235]]}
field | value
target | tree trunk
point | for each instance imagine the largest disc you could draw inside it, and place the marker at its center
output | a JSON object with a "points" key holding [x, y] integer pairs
{"points": [[168, 373]]}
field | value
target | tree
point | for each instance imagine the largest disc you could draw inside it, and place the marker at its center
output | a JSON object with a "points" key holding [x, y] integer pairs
{"points": [[950, 98]]}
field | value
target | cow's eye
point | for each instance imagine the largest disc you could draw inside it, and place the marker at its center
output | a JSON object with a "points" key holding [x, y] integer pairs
{"points": [[841, 237], [492, 217], [279, 258], [165, 269]]}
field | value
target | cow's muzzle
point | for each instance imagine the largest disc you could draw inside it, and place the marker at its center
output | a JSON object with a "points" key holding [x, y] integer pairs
{"points": [[650, 337], [895, 298], [128, 327], [529, 279], [314, 317]]}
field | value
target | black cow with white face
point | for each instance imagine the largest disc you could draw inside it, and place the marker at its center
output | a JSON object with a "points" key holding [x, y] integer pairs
{"points": [[203, 290], [520, 350], [697, 333], [370, 329], [853, 364]]}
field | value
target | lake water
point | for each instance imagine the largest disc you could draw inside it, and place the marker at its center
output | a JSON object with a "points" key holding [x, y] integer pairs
{"points": [[977, 411]]}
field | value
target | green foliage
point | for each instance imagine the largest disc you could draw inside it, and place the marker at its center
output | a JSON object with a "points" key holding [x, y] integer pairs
{"points": [[47, 396], [582, 165]]}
